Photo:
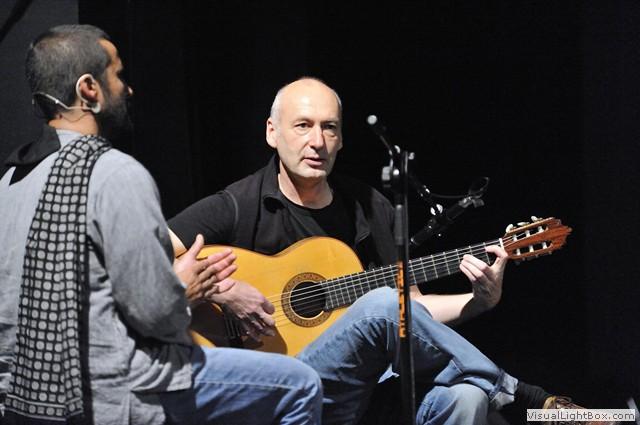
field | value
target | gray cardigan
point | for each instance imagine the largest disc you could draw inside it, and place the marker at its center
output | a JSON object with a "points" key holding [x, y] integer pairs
{"points": [[138, 316]]}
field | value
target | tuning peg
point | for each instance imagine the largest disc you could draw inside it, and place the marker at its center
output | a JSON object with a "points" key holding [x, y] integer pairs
{"points": [[512, 226]]}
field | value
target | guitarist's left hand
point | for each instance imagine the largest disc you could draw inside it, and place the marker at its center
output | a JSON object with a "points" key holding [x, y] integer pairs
{"points": [[486, 280]]}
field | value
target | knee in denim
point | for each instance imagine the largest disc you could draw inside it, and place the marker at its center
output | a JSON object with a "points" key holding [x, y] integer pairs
{"points": [[379, 302]]}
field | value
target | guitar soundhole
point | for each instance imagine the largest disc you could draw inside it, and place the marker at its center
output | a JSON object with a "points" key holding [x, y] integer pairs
{"points": [[308, 299]]}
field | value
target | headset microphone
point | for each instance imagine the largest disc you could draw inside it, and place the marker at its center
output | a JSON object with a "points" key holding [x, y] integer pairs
{"points": [[93, 107]]}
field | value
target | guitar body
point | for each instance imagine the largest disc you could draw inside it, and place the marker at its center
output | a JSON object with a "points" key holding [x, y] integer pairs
{"points": [[286, 279], [312, 282]]}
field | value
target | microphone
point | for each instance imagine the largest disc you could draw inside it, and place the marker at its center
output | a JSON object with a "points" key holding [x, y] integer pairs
{"points": [[440, 222], [380, 130], [95, 108], [373, 121]]}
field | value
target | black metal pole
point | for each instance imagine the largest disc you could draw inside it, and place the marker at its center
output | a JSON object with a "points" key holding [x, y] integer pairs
{"points": [[407, 375], [396, 177]]}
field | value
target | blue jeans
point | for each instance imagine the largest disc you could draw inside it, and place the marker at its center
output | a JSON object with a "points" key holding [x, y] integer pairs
{"points": [[232, 386], [457, 404], [352, 354]]}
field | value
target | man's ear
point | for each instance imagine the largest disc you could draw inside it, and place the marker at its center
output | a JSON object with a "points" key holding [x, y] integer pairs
{"points": [[271, 134], [88, 90]]}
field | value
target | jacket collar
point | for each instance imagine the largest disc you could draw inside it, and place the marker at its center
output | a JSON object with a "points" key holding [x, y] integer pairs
{"points": [[270, 189], [34, 152]]}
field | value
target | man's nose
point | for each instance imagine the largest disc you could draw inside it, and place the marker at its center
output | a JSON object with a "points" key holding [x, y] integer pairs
{"points": [[316, 137]]}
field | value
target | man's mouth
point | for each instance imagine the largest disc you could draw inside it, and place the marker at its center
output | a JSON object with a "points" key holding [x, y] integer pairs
{"points": [[314, 162]]}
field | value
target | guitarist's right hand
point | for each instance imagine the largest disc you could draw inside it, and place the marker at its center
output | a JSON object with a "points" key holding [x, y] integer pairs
{"points": [[250, 307]]}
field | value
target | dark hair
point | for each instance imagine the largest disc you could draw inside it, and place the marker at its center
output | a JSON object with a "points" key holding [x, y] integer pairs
{"points": [[57, 58]]}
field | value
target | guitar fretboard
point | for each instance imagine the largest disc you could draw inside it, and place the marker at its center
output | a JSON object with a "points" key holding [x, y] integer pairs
{"points": [[344, 290]]}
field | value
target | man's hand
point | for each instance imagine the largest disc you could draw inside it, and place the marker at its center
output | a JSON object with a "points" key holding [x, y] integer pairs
{"points": [[206, 277], [248, 305], [486, 280]]}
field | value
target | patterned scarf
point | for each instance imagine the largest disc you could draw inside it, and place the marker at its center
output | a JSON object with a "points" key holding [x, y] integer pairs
{"points": [[50, 357]]}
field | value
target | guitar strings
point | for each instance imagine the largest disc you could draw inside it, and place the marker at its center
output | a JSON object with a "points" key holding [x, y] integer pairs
{"points": [[385, 275], [354, 289], [474, 250], [380, 276], [361, 278]]}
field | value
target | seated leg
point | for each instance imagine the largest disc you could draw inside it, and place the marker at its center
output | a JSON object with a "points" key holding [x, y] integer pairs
{"points": [[458, 404], [355, 351], [243, 386]]}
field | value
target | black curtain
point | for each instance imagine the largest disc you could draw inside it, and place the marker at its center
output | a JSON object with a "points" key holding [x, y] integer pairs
{"points": [[20, 22], [610, 157], [539, 96], [542, 97]]}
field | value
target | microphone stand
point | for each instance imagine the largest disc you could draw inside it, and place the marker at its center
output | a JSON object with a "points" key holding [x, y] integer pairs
{"points": [[396, 177]]}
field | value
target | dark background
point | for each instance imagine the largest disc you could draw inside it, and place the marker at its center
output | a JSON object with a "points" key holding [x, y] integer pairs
{"points": [[541, 96]]}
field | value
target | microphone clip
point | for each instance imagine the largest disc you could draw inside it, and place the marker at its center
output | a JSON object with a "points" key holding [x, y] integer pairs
{"points": [[441, 219]]}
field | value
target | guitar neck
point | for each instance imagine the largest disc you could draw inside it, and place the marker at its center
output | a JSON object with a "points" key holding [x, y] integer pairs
{"points": [[344, 290]]}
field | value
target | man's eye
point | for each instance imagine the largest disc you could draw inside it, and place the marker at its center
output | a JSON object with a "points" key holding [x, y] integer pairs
{"points": [[302, 125], [330, 128]]}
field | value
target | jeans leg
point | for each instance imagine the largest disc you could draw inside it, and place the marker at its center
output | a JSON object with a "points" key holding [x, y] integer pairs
{"points": [[234, 386], [458, 404], [353, 353]]}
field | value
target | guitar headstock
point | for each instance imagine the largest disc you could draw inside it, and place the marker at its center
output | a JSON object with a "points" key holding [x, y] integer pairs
{"points": [[530, 240]]}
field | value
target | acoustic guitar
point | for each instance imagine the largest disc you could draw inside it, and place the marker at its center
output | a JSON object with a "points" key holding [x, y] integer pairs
{"points": [[312, 282]]}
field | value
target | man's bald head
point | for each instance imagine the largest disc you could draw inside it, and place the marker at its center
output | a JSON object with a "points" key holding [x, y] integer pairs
{"points": [[294, 87]]}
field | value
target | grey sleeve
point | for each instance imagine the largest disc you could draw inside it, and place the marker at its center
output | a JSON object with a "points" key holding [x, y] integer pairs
{"points": [[137, 252]]}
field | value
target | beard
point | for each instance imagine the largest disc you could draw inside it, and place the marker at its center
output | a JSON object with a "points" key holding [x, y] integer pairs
{"points": [[114, 120]]}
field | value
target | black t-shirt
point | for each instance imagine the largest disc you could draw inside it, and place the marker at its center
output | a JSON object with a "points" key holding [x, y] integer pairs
{"points": [[334, 220], [214, 217]]}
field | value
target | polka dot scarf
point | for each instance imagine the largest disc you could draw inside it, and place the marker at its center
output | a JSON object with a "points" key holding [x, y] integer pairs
{"points": [[48, 383]]}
